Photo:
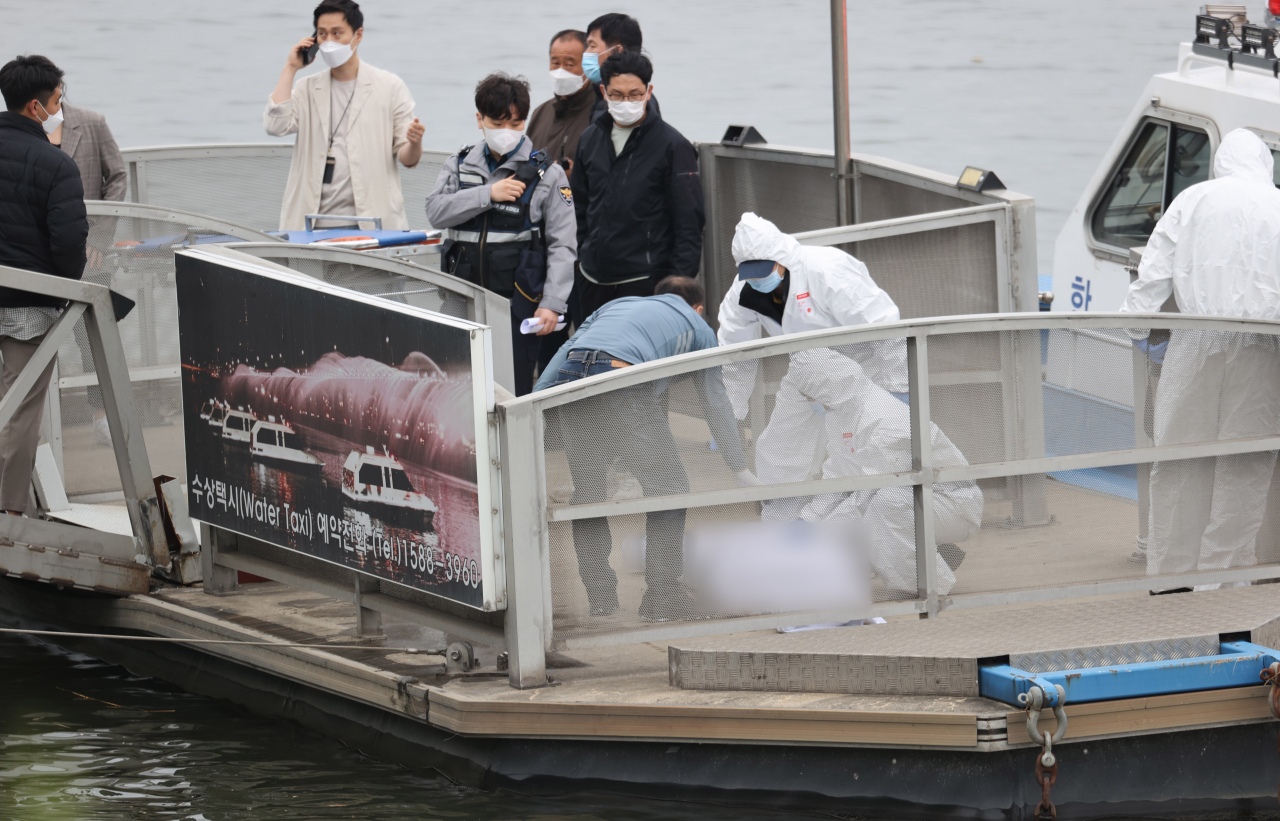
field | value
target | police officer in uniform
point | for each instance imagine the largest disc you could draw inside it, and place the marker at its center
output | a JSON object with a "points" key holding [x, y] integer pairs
{"points": [[510, 220]]}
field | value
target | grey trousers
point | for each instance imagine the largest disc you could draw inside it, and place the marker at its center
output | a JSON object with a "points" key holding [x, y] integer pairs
{"points": [[20, 438]]}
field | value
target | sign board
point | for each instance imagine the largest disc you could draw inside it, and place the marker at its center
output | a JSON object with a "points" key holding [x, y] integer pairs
{"points": [[343, 426]]}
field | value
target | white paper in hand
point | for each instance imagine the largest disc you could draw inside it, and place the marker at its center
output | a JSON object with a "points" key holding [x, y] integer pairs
{"points": [[532, 324]]}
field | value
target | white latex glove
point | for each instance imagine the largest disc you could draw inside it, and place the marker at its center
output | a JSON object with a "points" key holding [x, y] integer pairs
{"points": [[745, 478]]}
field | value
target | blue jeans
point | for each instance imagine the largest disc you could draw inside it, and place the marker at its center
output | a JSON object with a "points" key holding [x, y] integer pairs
{"points": [[629, 426]]}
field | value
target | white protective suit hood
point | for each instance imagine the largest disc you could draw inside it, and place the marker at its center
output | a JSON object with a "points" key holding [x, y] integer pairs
{"points": [[757, 238], [1242, 154]]}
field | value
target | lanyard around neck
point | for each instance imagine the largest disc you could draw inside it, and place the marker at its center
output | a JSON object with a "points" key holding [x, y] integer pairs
{"points": [[333, 129]]}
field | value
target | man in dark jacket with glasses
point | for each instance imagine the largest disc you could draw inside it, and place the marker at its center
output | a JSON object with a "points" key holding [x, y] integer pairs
{"points": [[636, 191]]}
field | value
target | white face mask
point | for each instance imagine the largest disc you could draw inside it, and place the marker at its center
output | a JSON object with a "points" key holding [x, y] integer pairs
{"points": [[626, 113], [564, 83], [502, 141], [50, 125], [335, 54]]}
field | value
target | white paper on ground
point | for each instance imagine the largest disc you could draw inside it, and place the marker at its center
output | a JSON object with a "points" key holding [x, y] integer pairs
{"points": [[855, 623], [532, 324]]}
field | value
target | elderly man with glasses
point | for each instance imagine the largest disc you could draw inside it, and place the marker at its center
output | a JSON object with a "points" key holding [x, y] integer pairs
{"points": [[636, 191]]}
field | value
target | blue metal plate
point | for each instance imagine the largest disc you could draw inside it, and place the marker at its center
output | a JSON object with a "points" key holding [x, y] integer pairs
{"points": [[1238, 665]]}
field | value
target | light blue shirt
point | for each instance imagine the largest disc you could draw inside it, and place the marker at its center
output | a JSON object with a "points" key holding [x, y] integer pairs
{"points": [[640, 329], [636, 329]]}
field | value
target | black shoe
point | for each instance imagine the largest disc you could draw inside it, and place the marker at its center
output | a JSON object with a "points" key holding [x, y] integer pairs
{"points": [[1174, 590], [952, 555], [676, 605]]}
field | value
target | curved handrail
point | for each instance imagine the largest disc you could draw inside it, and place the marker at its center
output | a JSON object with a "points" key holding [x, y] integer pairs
{"points": [[932, 326], [391, 265], [191, 152], [187, 152], [103, 208]]}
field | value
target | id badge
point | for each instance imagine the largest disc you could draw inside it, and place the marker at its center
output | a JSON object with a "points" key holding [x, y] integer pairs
{"points": [[329, 163]]}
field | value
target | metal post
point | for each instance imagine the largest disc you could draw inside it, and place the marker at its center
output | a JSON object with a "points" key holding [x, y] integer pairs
{"points": [[368, 622], [524, 529], [840, 109], [922, 461], [218, 580], [126, 429]]}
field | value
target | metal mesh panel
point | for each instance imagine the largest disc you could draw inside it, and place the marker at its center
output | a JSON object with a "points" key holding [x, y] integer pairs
{"points": [[249, 189], [90, 463], [794, 197], [373, 281], [671, 437], [138, 263], [939, 272], [244, 190], [881, 199], [420, 181], [1090, 535]]}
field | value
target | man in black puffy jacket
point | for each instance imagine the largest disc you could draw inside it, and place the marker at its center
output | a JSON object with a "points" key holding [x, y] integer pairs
{"points": [[43, 228], [636, 191]]}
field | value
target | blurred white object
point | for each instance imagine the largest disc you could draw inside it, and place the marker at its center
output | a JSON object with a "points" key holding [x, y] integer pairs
{"points": [[745, 478], [532, 324], [778, 568]]}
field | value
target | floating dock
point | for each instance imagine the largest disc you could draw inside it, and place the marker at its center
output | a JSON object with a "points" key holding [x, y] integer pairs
{"points": [[612, 718]]}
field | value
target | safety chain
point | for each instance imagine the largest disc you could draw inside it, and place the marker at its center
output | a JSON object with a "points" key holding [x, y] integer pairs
{"points": [[1271, 676], [1046, 763]]}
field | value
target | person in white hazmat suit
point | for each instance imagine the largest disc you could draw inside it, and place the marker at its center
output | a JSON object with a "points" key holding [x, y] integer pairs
{"points": [[867, 432], [1217, 249], [786, 288]]}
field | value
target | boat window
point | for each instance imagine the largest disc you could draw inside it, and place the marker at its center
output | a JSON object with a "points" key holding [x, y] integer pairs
{"points": [[370, 475], [400, 480], [1148, 180], [293, 441], [1134, 199], [266, 437], [1190, 162]]}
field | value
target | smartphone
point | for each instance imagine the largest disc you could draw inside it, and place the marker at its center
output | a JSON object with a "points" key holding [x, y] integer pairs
{"points": [[309, 54]]}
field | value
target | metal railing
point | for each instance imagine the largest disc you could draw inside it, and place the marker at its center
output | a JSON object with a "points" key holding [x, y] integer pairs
{"points": [[393, 279], [132, 248], [244, 183], [1014, 558], [91, 304], [914, 226]]}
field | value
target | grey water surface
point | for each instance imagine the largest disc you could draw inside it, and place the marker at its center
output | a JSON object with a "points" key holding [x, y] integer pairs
{"points": [[1035, 90]]}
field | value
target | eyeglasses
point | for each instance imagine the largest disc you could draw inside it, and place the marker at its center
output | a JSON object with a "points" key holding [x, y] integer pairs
{"points": [[633, 97]]}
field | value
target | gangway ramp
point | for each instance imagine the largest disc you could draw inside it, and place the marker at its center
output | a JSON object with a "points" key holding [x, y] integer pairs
{"points": [[107, 559]]}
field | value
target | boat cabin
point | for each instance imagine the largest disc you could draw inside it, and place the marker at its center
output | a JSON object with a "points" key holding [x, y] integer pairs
{"points": [[279, 441], [380, 478], [237, 425], [1166, 145]]}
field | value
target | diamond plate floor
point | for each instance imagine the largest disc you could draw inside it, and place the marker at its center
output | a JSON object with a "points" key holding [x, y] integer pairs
{"points": [[939, 656]]}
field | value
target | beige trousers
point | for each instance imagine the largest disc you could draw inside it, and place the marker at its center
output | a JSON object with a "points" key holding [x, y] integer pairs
{"points": [[20, 438]]}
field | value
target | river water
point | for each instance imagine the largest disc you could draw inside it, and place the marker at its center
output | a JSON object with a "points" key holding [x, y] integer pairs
{"points": [[1033, 90]]}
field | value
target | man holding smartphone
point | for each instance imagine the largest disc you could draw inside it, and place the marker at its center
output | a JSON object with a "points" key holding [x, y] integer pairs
{"points": [[353, 122]]}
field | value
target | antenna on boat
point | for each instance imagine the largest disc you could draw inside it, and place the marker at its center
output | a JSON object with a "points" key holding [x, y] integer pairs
{"points": [[840, 98]]}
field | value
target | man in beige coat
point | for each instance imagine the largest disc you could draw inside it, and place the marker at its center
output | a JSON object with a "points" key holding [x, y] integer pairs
{"points": [[353, 122]]}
